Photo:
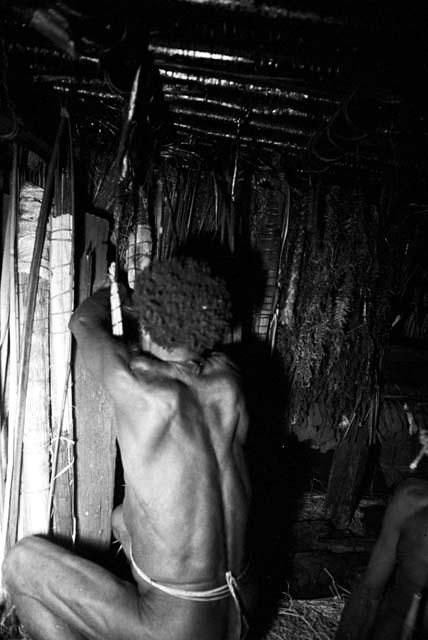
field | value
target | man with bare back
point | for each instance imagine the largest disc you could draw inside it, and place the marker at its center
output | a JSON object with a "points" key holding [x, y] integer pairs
{"points": [[390, 602], [181, 426]]}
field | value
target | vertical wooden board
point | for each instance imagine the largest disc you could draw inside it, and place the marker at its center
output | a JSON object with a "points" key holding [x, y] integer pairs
{"points": [[95, 434], [95, 450]]}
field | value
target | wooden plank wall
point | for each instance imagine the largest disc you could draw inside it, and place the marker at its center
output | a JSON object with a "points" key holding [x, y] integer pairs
{"points": [[95, 436]]}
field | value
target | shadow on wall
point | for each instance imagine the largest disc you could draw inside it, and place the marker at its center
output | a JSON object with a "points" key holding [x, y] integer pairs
{"points": [[278, 472]]}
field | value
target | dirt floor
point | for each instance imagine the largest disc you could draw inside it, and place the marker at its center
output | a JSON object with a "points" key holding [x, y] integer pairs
{"points": [[327, 562], [324, 566]]}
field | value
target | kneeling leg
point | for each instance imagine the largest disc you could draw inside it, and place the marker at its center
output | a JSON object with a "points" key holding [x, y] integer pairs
{"points": [[57, 594]]}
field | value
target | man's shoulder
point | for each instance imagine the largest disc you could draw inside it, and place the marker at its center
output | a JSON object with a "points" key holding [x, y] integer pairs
{"points": [[156, 379], [218, 363], [222, 371], [411, 494]]}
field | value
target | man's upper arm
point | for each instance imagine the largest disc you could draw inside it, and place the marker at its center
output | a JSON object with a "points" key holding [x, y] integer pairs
{"points": [[104, 355]]}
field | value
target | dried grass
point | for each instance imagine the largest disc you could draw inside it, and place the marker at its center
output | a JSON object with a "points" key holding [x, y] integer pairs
{"points": [[312, 507], [306, 619], [12, 633], [10, 629]]}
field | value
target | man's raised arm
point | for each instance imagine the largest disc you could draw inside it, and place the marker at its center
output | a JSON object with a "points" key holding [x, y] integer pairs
{"points": [[90, 324]]}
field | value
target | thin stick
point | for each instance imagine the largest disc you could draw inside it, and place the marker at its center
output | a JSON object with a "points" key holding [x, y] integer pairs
{"points": [[273, 322], [27, 331], [159, 216], [122, 158]]}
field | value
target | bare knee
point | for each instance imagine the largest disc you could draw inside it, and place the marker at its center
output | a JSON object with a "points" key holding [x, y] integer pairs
{"points": [[118, 524], [117, 521], [22, 561]]}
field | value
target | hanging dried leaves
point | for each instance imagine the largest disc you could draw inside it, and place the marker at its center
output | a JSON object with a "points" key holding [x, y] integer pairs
{"points": [[333, 313]]}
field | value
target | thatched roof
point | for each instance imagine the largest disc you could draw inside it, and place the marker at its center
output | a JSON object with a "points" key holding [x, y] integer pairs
{"points": [[321, 82]]}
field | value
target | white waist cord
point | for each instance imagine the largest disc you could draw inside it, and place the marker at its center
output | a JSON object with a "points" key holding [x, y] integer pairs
{"points": [[230, 588]]}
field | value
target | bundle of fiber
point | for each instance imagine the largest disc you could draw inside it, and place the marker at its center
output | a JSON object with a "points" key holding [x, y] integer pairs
{"points": [[34, 494]]}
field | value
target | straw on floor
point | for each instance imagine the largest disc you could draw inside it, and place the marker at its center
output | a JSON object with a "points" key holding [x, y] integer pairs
{"points": [[306, 619]]}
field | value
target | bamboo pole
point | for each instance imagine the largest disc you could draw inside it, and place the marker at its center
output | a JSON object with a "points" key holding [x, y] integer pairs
{"points": [[140, 243], [116, 310], [26, 337]]}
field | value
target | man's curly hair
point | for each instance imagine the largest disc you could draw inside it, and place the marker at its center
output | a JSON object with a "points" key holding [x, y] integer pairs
{"points": [[180, 303]]}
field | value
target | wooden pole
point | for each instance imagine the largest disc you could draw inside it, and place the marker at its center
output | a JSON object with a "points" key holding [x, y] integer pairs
{"points": [[140, 243]]}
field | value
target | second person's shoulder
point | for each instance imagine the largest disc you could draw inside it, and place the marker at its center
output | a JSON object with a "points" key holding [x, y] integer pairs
{"points": [[411, 493]]}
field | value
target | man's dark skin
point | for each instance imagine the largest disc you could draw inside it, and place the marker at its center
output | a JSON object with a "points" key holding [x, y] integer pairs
{"points": [[400, 554], [181, 425]]}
